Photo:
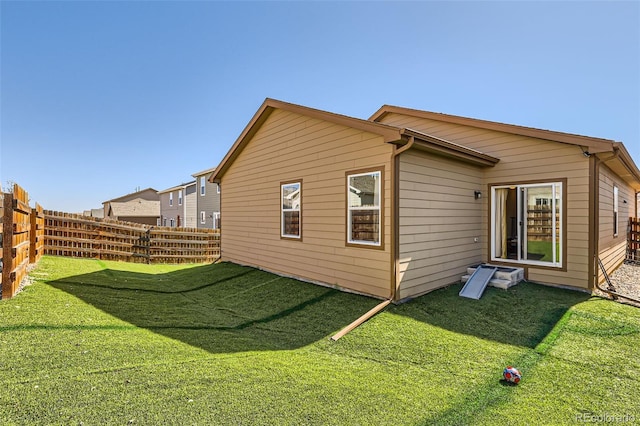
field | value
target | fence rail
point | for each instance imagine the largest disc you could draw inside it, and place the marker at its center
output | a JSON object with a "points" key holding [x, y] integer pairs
{"points": [[28, 233]]}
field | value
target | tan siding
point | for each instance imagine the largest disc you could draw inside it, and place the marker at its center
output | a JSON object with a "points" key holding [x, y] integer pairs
{"points": [[290, 146], [439, 219], [526, 159], [612, 249]]}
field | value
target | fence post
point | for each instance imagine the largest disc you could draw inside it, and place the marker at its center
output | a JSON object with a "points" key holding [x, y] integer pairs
{"points": [[7, 247], [33, 237]]}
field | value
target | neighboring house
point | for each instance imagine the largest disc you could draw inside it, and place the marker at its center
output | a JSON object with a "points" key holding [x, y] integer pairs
{"points": [[178, 206], [97, 213], [402, 203], [140, 207], [208, 200]]}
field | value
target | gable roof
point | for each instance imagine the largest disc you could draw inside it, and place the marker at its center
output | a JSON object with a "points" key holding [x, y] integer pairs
{"points": [[204, 172], [621, 162], [128, 196], [174, 188], [390, 134]]}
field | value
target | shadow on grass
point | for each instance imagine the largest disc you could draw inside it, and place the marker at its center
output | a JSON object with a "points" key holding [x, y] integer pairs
{"points": [[521, 316], [220, 308]]}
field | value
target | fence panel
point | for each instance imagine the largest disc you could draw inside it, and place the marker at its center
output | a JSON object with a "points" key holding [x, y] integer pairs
{"points": [[80, 236], [36, 248], [1, 237], [16, 228]]}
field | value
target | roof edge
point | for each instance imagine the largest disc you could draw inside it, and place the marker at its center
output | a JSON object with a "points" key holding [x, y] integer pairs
{"points": [[389, 133], [451, 149], [627, 161], [593, 144]]}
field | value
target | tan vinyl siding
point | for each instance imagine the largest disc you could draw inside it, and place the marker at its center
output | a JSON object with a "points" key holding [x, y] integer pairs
{"points": [[291, 147], [526, 159], [439, 219], [612, 249]]}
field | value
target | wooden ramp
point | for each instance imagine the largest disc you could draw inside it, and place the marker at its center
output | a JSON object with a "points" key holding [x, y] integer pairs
{"points": [[476, 284]]}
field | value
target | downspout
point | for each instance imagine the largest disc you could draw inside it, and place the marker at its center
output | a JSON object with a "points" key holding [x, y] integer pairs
{"points": [[395, 215], [595, 231], [596, 253], [395, 247], [611, 292]]}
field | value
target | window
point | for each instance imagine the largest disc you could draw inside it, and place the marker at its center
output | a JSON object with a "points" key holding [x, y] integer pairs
{"points": [[203, 217], [171, 222], [165, 221], [218, 188], [615, 211], [216, 220], [202, 185], [180, 197], [291, 197], [527, 223], [171, 198], [364, 213]]}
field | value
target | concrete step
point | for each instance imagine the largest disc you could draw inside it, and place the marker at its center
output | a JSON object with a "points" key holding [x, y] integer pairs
{"points": [[503, 278], [493, 282]]}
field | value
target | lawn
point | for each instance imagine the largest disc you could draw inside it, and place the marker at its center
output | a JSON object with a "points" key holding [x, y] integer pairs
{"points": [[94, 342]]}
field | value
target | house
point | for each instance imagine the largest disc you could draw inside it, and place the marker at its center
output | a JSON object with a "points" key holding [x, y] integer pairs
{"points": [[141, 207], [207, 200], [97, 213], [178, 205], [402, 203]]}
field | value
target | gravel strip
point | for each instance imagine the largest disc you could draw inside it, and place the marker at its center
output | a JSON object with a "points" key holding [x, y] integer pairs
{"points": [[626, 280]]}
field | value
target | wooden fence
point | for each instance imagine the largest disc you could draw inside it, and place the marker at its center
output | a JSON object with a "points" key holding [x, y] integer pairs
{"points": [[28, 233], [633, 240], [81, 236], [22, 238]]}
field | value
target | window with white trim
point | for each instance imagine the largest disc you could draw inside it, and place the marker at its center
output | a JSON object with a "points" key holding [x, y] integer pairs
{"points": [[527, 223], [615, 211], [364, 216], [180, 197], [202, 185], [218, 188], [203, 217], [171, 199], [291, 199]]}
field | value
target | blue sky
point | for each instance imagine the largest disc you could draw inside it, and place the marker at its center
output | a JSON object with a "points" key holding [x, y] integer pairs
{"points": [[99, 98]]}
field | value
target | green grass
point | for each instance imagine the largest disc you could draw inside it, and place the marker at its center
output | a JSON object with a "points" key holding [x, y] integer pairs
{"points": [[114, 343], [542, 249]]}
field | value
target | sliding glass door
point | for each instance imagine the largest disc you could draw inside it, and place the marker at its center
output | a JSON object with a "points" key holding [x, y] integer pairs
{"points": [[526, 223]]}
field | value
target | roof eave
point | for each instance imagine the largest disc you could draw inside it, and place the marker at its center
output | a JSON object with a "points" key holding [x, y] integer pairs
{"points": [[443, 147], [623, 156], [592, 144]]}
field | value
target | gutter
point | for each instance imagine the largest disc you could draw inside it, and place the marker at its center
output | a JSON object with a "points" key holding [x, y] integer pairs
{"points": [[395, 248]]}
